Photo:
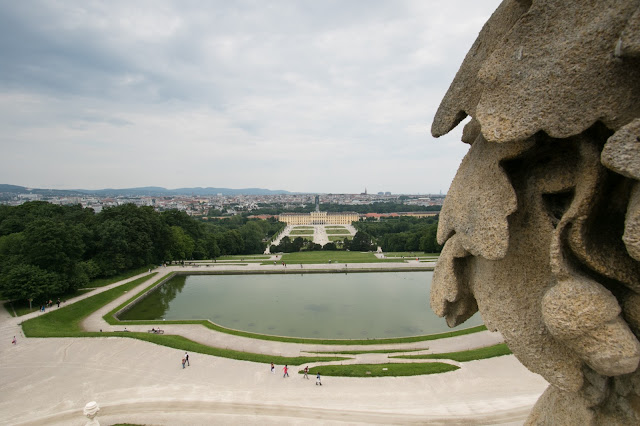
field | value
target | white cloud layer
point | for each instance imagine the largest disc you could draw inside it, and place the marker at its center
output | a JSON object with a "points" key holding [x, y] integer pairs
{"points": [[306, 95]]}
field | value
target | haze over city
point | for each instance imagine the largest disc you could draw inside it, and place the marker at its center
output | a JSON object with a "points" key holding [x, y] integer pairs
{"points": [[303, 96]]}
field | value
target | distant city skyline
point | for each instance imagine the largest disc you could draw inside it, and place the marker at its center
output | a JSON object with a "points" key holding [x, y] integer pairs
{"points": [[208, 190], [302, 96]]}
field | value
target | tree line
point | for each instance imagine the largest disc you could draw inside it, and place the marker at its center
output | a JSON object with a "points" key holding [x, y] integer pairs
{"points": [[48, 250], [403, 233]]}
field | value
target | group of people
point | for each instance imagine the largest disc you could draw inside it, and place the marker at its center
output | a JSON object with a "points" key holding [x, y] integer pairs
{"points": [[48, 304], [285, 369]]}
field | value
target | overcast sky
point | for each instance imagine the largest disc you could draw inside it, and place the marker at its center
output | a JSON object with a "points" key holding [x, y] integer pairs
{"points": [[306, 96]]}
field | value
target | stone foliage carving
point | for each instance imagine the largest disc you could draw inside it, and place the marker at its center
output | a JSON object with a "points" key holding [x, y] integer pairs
{"points": [[541, 225]]}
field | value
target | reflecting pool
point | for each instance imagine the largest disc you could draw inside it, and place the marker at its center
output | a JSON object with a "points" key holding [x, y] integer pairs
{"points": [[333, 306]]}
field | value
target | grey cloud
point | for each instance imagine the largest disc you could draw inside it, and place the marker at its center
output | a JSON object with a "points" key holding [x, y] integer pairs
{"points": [[343, 75]]}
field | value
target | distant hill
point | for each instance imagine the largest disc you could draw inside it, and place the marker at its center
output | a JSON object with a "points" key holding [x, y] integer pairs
{"points": [[152, 191]]}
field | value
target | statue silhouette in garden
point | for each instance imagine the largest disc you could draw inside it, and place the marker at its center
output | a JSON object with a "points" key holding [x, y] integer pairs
{"points": [[541, 225]]}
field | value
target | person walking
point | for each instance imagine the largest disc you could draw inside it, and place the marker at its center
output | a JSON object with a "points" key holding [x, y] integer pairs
{"points": [[14, 341], [273, 369], [318, 382], [306, 373], [286, 371], [186, 357], [184, 361]]}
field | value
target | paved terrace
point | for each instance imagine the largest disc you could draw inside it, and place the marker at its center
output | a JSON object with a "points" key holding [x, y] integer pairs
{"points": [[48, 381]]}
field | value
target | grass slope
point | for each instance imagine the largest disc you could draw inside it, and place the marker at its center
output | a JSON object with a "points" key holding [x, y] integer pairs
{"points": [[333, 256], [378, 370], [464, 356]]}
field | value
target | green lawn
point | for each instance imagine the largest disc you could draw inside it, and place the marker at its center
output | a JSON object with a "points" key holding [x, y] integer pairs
{"points": [[378, 351], [101, 282], [382, 370], [234, 257], [464, 356], [333, 238], [240, 257], [338, 232], [325, 256], [21, 307], [301, 232], [334, 227], [410, 254]]}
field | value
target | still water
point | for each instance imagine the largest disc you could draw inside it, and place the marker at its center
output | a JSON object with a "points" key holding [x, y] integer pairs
{"points": [[333, 306]]}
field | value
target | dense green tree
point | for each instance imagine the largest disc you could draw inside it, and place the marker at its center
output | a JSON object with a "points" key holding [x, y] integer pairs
{"points": [[361, 242], [46, 249], [252, 235], [211, 245], [182, 245], [24, 282], [231, 242], [52, 246], [311, 246], [179, 218], [403, 233], [111, 247]]}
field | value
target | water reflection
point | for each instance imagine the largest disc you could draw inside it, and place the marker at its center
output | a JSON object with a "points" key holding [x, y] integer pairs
{"points": [[156, 304], [357, 305]]}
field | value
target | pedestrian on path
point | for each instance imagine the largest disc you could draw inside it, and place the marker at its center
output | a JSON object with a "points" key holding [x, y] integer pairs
{"points": [[14, 341], [306, 372], [286, 371], [58, 302], [273, 369], [186, 357], [183, 362], [318, 382]]}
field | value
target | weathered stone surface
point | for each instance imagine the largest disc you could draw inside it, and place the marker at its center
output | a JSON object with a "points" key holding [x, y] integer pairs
{"points": [[548, 67], [621, 153], [471, 131], [578, 297], [629, 43], [450, 296], [541, 231], [481, 200], [464, 93], [555, 404], [631, 235]]}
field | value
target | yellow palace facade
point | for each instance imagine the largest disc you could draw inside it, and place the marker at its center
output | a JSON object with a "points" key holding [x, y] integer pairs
{"points": [[319, 218]]}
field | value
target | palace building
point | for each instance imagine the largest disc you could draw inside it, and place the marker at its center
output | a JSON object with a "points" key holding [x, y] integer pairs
{"points": [[319, 218]]}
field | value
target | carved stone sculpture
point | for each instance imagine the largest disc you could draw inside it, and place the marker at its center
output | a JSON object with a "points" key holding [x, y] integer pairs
{"points": [[541, 225], [91, 410]]}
